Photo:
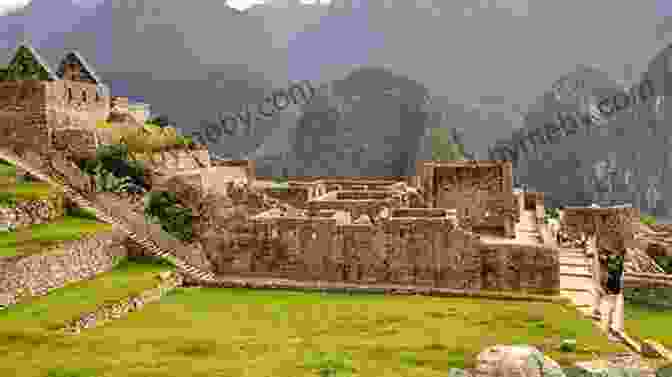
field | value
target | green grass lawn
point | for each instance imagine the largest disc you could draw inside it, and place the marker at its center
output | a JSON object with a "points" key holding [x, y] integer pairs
{"points": [[42, 237], [27, 190], [647, 322], [7, 170], [236, 332]]}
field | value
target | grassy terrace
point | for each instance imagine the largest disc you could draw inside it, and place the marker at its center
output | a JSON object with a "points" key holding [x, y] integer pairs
{"points": [[42, 237], [50, 311], [27, 190], [647, 322], [235, 332]]}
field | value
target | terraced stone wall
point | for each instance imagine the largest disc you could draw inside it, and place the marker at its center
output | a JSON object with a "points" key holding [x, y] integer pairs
{"points": [[31, 212], [35, 275]]}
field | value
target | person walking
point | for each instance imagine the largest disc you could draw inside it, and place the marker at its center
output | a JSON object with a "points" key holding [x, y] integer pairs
{"points": [[612, 266]]}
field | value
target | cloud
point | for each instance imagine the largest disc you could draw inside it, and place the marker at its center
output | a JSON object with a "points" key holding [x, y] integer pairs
{"points": [[7, 6], [242, 5]]}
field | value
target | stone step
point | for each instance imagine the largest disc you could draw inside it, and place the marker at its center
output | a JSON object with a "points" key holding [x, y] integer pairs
{"points": [[576, 282], [574, 270]]}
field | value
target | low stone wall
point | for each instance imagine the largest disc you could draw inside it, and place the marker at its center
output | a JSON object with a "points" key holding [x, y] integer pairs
{"points": [[514, 267], [168, 281], [31, 212], [412, 251], [35, 275]]}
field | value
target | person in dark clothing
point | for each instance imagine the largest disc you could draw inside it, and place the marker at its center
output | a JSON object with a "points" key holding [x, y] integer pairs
{"points": [[615, 267]]}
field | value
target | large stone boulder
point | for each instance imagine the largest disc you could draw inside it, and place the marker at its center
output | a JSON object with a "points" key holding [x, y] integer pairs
{"points": [[515, 361]]}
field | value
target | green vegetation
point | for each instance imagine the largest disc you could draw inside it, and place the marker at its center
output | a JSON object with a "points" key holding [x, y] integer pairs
{"points": [[114, 169], [11, 194], [149, 139], [648, 220], [162, 207], [83, 213], [42, 237], [23, 66], [443, 148], [235, 332], [551, 213], [665, 262], [50, 312], [646, 321]]}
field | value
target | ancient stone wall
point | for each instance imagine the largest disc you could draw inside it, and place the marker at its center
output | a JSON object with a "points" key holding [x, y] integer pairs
{"points": [[74, 104], [355, 207], [294, 196], [23, 116], [178, 160], [613, 225], [511, 267], [76, 142], [482, 210], [35, 275], [414, 251], [119, 104], [31, 212]]}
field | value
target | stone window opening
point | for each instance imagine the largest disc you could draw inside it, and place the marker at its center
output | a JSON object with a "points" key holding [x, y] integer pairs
{"points": [[69, 95], [313, 235], [84, 96]]}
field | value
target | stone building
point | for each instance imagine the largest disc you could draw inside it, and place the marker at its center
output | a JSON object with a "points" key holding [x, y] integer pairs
{"points": [[481, 191], [64, 108]]}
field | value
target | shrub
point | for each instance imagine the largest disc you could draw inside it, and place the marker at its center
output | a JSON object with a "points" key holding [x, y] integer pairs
{"points": [[162, 207], [665, 262], [150, 138], [83, 213], [115, 159], [107, 182], [551, 213], [648, 220], [7, 200], [568, 345]]}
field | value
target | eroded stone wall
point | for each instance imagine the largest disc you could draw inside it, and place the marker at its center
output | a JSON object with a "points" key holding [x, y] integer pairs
{"points": [[35, 275], [511, 267], [23, 115], [32, 212], [613, 225], [414, 251], [76, 142], [178, 160], [74, 104]]}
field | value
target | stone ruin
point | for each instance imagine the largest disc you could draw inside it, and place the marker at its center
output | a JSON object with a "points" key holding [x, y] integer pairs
{"points": [[384, 230]]}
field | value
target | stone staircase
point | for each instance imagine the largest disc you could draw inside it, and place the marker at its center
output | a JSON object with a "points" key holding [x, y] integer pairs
{"points": [[117, 215], [527, 230], [576, 278]]}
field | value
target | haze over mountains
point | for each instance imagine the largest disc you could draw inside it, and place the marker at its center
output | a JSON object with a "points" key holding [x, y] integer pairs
{"points": [[483, 62]]}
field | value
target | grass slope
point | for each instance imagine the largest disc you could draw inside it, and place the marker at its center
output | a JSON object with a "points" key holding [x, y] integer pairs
{"points": [[235, 332], [50, 311]]}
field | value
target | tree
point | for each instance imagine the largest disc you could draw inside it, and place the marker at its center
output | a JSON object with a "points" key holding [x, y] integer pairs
{"points": [[161, 121], [443, 148]]}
